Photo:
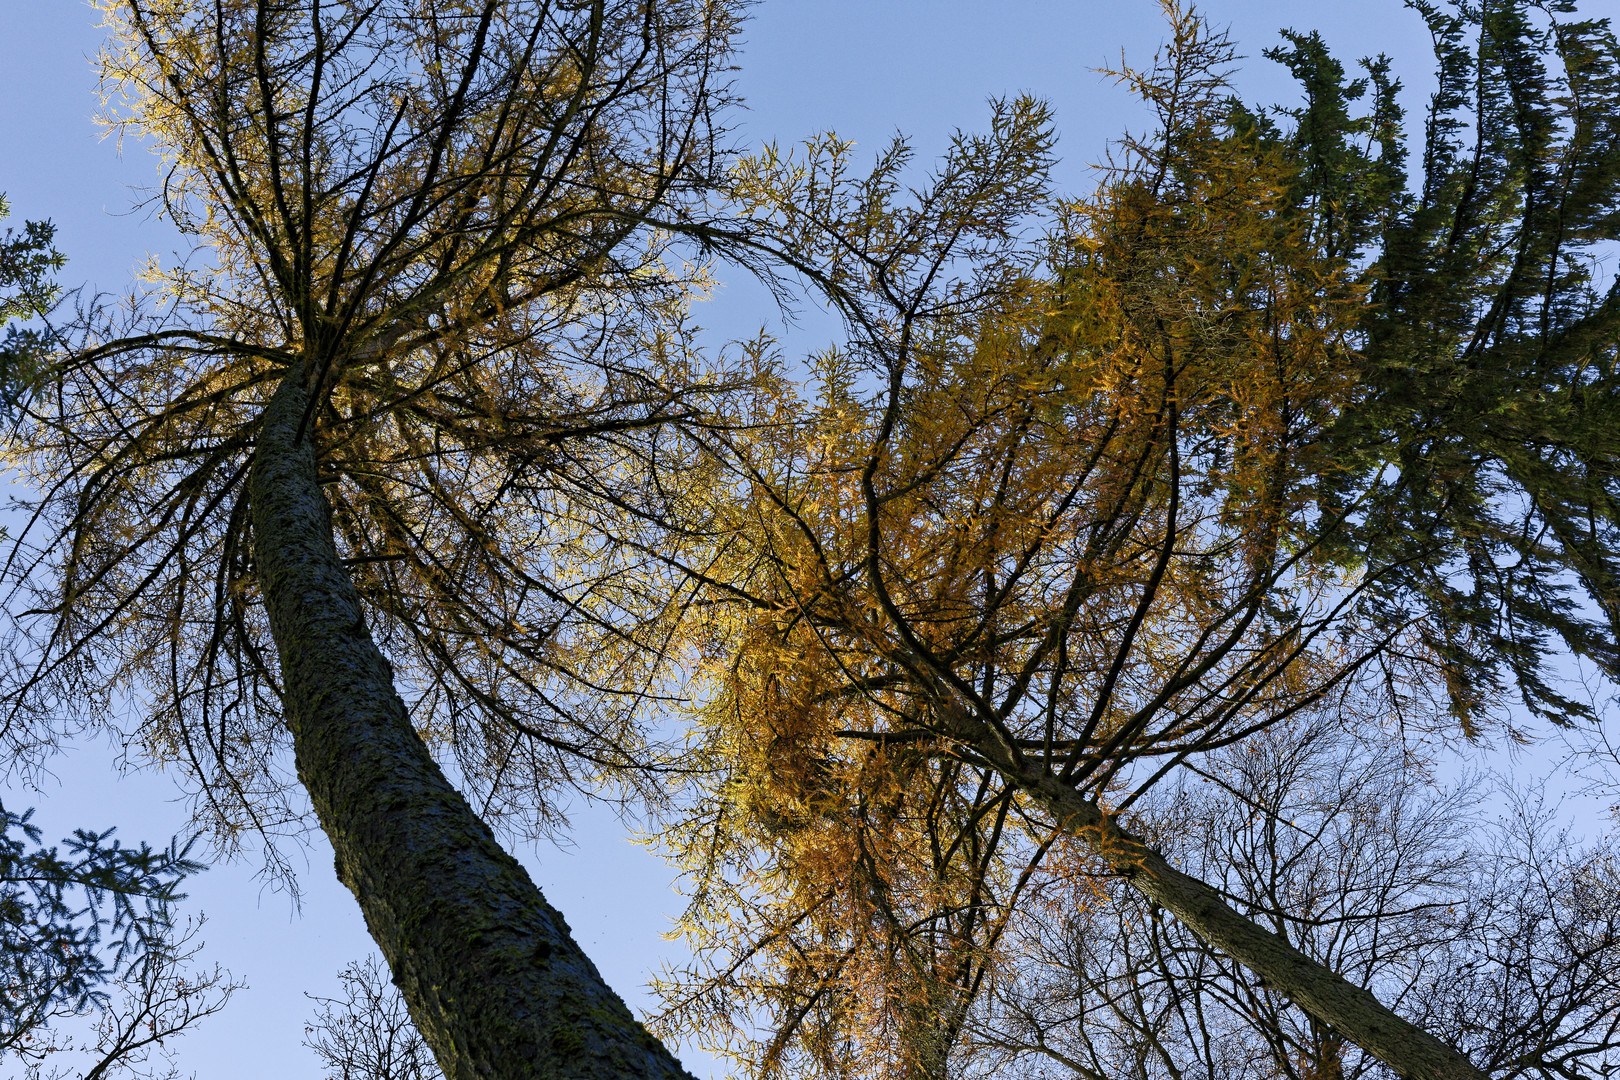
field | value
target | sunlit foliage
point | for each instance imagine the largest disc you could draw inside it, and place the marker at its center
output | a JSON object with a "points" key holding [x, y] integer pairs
{"points": [[1098, 488], [448, 210]]}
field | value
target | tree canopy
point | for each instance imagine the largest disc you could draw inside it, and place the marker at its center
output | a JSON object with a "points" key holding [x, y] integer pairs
{"points": [[417, 474], [28, 289], [89, 930], [427, 245], [452, 208], [1079, 511]]}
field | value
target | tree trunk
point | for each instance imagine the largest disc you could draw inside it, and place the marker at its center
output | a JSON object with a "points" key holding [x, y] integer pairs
{"points": [[1350, 1010], [490, 973]]}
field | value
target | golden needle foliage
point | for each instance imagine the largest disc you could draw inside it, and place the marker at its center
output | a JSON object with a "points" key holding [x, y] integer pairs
{"points": [[1070, 487], [445, 213]]}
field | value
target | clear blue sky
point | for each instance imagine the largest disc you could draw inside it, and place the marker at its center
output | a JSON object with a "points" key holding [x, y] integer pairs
{"points": [[862, 69]]}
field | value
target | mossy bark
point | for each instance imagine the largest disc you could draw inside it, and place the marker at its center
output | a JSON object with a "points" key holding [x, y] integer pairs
{"points": [[488, 969], [1350, 1010]]}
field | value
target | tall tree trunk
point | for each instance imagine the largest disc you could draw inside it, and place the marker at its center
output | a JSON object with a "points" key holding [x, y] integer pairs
{"points": [[490, 973], [1350, 1010]]}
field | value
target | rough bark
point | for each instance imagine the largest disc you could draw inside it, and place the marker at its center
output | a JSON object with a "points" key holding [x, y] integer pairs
{"points": [[491, 975], [1350, 1010]]}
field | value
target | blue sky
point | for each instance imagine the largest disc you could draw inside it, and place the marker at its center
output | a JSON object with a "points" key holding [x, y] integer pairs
{"points": [[862, 69]]}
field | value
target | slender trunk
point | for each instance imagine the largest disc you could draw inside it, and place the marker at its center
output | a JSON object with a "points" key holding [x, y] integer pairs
{"points": [[490, 973], [1350, 1010]]}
